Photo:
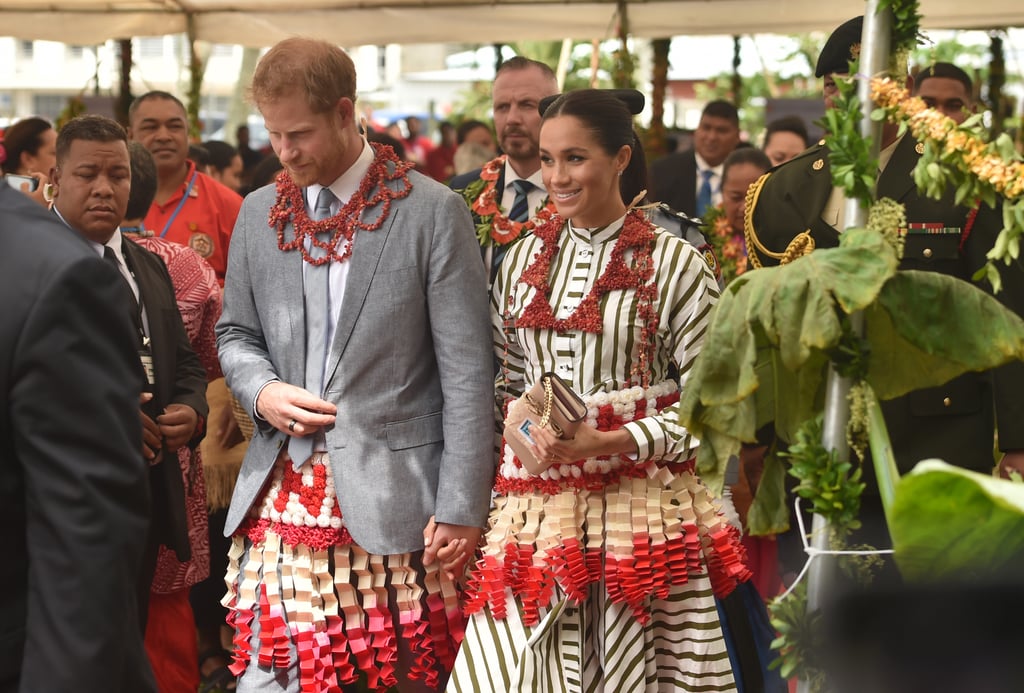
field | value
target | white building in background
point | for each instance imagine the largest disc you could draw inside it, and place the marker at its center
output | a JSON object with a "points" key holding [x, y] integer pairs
{"points": [[39, 77]]}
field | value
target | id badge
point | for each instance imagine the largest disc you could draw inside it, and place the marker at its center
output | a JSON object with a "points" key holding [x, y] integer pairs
{"points": [[147, 365]]}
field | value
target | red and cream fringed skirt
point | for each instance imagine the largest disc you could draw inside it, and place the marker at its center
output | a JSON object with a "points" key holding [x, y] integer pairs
{"points": [[638, 530], [300, 592]]}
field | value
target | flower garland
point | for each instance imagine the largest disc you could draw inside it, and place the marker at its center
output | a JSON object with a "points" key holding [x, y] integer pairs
{"points": [[960, 157], [729, 246], [482, 196], [637, 234], [965, 148], [289, 209]]}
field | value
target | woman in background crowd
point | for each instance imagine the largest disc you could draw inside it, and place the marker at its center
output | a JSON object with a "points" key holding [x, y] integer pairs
{"points": [[30, 149], [475, 146], [784, 138]]}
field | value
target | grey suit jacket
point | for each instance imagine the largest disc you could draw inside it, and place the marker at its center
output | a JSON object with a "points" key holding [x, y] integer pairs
{"points": [[410, 366]]}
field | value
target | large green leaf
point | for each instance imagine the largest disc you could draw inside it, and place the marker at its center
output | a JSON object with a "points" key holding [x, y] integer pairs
{"points": [[953, 524], [766, 354], [927, 328], [767, 515], [776, 322]]}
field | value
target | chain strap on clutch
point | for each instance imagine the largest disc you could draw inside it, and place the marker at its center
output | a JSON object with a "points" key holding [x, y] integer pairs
{"points": [[545, 412]]}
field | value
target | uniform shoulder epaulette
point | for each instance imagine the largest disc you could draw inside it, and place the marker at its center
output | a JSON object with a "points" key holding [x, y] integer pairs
{"points": [[683, 218], [813, 150], [689, 229]]}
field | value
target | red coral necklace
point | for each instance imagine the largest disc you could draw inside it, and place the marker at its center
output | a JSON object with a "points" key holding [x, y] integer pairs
{"points": [[638, 235], [375, 189]]}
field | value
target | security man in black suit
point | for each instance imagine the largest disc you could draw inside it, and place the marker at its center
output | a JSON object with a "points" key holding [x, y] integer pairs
{"points": [[74, 491], [91, 185]]}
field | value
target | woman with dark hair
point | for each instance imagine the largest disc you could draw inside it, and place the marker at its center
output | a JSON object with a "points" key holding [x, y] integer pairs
{"points": [[600, 573], [784, 138], [30, 149]]}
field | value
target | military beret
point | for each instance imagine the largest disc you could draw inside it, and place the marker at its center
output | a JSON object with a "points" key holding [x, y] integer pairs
{"points": [[841, 47]]}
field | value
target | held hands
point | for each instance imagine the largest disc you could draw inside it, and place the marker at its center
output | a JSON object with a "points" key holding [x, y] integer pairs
{"points": [[452, 545], [294, 410]]}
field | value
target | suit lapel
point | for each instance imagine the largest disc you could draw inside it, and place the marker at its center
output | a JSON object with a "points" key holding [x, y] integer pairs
{"points": [[151, 296], [366, 253], [897, 180]]}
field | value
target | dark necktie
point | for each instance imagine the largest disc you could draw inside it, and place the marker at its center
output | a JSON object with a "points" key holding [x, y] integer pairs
{"points": [[704, 194], [110, 256], [520, 212], [317, 304], [521, 204]]}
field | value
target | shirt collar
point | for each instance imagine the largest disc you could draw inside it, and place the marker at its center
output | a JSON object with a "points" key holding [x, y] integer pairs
{"points": [[885, 155], [194, 190], [114, 241], [702, 165], [511, 176], [598, 236]]}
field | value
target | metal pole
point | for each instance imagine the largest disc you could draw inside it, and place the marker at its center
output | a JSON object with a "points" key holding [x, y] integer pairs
{"points": [[874, 57]]}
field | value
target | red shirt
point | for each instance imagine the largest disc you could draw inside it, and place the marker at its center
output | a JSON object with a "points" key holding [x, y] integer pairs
{"points": [[204, 222], [441, 163]]}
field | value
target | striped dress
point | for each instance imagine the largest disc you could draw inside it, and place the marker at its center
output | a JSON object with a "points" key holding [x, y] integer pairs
{"points": [[601, 575]]}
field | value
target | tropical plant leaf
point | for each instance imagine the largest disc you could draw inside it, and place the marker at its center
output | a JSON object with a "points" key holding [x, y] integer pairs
{"points": [[953, 524], [779, 321], [766, 515], [927, 328], [767, 350]]}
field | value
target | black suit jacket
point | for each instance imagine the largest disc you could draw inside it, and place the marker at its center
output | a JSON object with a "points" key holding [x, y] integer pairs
{"points": [[180, 379], [955, 421], [74, 490], [464, 180], [673, 180]]}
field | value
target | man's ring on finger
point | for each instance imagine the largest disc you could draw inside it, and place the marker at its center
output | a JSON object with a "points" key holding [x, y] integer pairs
{"points": [[291, 425]]}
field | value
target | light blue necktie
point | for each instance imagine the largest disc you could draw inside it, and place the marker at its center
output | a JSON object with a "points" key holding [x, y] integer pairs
{"points": [[317, 304], [704, 194]]}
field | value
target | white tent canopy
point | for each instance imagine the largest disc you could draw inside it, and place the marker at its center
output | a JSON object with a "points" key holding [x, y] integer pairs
{"points": [[360, 22]]}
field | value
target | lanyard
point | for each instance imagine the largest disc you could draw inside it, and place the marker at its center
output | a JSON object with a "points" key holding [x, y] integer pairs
{"points": [[137, 312], [167, 226]]}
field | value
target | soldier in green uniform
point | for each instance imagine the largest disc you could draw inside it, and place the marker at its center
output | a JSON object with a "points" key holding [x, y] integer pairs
{"points": [[957, 421]]}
